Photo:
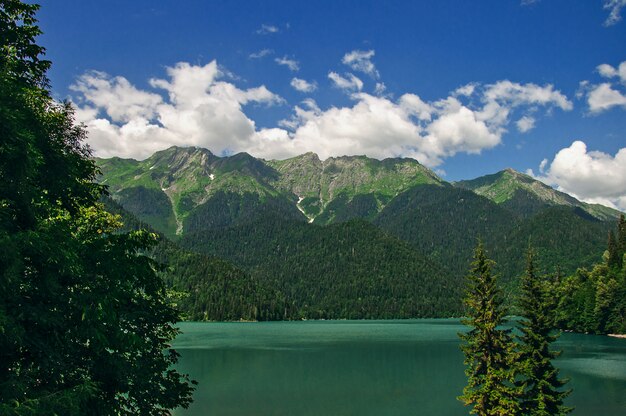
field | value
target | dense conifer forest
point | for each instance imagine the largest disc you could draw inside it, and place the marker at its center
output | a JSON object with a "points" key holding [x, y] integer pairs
{"points": [[593, 300]]}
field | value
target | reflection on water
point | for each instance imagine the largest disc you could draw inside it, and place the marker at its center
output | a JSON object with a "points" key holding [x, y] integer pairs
{"points": [[365, 368]]}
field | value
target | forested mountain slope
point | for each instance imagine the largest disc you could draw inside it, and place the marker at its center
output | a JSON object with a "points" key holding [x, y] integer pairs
{"points": [[266, 217], [210, 288], [349, 270]]}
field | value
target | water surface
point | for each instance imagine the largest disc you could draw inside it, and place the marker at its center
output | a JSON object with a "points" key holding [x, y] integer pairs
{"points": [[408, 367]]}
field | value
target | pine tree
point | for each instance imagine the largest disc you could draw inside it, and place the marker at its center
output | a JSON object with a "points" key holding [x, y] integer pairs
{"points": [[542, 393], [489, 349], [621, 239], [613, 251]]}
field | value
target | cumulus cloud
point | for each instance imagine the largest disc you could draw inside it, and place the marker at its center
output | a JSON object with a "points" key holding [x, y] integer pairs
{"points": [[292, 64], [267, 29], [517, 94], [501, 99], [303, 85], [592, 176], [260, 54], [615, 11], [409, 126], [608, 94], [116, 96], [415, 107], [361, 61], [200, 110], [349, 83], [607, 71], [603, 97], [196, 106]]}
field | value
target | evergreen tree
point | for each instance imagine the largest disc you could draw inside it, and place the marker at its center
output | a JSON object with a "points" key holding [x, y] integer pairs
{"points": [[542, 389], [614, 255], [621, 239], [489, 349], [85, 323]]}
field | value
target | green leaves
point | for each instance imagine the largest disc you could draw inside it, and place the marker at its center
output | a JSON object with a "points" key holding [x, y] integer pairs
{"points": [[85, 323]]}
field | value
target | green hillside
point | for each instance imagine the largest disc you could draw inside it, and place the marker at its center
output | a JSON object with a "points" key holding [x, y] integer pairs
{"points": [[348, 237], [184, 186], [330, 191], [526, 196]]}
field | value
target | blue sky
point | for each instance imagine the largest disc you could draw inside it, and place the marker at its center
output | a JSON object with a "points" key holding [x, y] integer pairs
{"points": [[543, 86]]}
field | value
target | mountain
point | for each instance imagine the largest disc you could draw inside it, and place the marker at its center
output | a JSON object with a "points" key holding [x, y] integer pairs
{"points": [[351, 270], [341, 188], [526, 196], [181, 190], [209, 288], [444, 222], [345, 237]]}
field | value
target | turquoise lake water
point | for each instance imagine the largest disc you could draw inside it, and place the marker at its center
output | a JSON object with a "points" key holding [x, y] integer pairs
{"points": [[381, 368]]}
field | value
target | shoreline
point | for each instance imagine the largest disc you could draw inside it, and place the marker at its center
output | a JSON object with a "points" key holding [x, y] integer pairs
{"points": [[623, 336]]}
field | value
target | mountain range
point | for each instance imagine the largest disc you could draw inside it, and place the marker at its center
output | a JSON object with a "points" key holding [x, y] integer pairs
{"points": [[348, 237]]}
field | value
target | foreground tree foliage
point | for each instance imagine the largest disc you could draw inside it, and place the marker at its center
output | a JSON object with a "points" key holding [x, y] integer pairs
{"points": [[543, 392], [508, 376], [489, 349], [85, 322]]}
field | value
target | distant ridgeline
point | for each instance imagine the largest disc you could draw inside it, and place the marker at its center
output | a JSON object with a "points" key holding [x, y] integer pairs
{"points": [[348, 237]]}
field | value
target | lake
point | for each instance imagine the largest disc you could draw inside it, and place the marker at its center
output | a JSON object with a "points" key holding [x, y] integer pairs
{"points": [[406, 367]]}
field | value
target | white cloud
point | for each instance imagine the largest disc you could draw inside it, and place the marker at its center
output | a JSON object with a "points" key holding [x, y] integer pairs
{"points": [[503, 98], [351, 83], [520, 94], [308, 111], [525, 124], [429, 132], [466, 90], [196, 106], [607, 71], [592, 176], [260, 54], [374, 126], [267, 29], [201, 110], [116, 96], [602, 97], [380, 88], [289, 63], [414, 106], [458, 129], [361, 61], [303, 85], [615, 11]]}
